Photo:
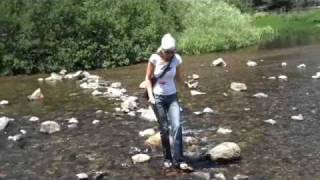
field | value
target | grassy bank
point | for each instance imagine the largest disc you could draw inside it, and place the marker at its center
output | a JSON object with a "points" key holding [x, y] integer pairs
{"points": [[293, 24]]}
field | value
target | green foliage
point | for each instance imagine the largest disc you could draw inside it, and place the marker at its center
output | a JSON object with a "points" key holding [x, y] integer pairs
{"points": [[47, 35], [243, 5], [215, 25]]}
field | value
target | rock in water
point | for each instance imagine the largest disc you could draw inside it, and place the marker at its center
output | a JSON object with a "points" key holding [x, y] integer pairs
{"points": [[225, 151], [219, 176], [36, 95], [4, 122], [147, 132], [195, 76], [208, 110], [49, 127], [219, 62], [316, 76], [194, 93], [283, 77], [4, 102], [238, 86], [298, 117], [261, 95], [139, 158], [270, 121], [251, 63], [301, 66], [240, 177], [82, 176], [148, 114], [201, 175], [154, 141], [224, 131]]}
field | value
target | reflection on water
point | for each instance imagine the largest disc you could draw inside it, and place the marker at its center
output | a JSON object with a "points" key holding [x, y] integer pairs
{"points": [[287, 150]]}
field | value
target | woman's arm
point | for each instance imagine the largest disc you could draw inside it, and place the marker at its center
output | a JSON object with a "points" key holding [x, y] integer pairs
{"points": [[149, 76], [179, 78]]}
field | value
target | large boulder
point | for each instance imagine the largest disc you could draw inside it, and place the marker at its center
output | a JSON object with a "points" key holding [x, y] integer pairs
{"points": [[225, 151], [49, 127]]}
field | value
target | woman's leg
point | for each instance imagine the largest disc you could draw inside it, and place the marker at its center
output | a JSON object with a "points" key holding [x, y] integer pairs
{"points": [[176, 129], [161, 114]]}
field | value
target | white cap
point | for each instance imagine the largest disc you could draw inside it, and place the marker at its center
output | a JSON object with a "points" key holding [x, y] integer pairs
{"points": [[168, 42]]}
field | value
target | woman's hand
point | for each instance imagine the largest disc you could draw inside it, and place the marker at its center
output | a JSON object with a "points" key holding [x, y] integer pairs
{"points": [[152, 100]]}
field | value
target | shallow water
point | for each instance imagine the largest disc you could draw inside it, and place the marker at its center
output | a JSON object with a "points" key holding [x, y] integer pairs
{"points": [[286, 150]]}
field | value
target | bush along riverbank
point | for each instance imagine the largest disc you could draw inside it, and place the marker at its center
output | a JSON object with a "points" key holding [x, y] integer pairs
{"points": [[46, 36]]}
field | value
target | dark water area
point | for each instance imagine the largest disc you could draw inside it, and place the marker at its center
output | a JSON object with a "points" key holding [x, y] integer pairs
{"points": [[293, 38], [288, 149]]}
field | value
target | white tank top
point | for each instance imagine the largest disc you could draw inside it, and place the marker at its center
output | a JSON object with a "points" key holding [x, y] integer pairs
{"points": [[165, 85]]}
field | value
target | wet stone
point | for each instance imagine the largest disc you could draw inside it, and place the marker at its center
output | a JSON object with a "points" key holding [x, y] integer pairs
{"points": [[251, 63], [4, 122], [33, 119], [72, 126], [225, 151], [82, 176], [219, 62], [240, 177], [140, 158], [200, 175], [36, 95], [195, 93], [219, 176], [298, 117], [224, 131], [98, 175], [270, 121], [4, 102], [147, 132], [236, 86], [134, 150]]}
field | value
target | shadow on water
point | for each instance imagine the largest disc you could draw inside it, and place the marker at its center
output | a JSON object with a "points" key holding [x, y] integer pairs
{"points": [[286, 150]]}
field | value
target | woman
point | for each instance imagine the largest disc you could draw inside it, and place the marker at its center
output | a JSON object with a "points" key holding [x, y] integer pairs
{"points": [[164, 99]]}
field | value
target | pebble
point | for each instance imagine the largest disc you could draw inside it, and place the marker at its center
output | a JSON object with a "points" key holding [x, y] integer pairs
{"points": [[82, 176], [95, 121], [298, 117], [270, 121]]}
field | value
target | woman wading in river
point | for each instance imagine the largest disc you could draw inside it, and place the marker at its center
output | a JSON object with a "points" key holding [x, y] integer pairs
{"points": [[162, 72]]}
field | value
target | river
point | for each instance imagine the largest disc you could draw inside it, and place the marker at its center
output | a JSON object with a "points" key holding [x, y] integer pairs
{"points": [[288, 149]]}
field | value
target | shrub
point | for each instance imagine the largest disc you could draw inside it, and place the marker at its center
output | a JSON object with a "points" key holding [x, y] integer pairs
{"points": [[215, 26]]}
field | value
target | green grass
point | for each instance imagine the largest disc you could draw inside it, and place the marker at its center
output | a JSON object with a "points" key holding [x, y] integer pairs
{"points": [[212, 25], [291, 23]]}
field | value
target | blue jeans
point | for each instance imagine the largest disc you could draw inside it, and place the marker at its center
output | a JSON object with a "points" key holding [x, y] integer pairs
{"points": [[167, 111]]}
